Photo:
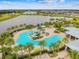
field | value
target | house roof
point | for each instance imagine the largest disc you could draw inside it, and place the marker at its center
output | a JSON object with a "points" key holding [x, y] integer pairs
{"points": [[74, 45], [72, 31]]}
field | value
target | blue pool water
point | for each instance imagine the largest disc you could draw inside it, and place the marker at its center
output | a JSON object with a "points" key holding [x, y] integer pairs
{"points": [[24, 39]]}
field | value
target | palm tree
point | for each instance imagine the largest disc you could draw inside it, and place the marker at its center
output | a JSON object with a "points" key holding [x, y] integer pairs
{"points": [[29, 26], [65, 40], [21, 25], [59, 25], [12, 28], [72, 54], [38, 26], [47, 24], [6, 51], [21, 47], [4, 40], [54, 47], [51, 48], [9, 41], [8, 29], [28, 48], [15, 51], [2, 48], [42, 44], [16, 26]]}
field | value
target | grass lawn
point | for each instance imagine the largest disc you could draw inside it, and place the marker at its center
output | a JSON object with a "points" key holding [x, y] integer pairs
{"points": [[75, 21], [7, 16]]}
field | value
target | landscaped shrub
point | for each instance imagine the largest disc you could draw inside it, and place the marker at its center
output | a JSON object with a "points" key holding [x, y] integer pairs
{"points": [[36, 52]]}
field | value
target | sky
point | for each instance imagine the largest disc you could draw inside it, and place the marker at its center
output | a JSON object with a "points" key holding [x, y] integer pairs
{"points": [[39, 4]]}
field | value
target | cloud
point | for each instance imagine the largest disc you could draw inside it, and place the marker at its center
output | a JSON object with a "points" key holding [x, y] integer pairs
{"points": [[62, 0], [40, 4]]}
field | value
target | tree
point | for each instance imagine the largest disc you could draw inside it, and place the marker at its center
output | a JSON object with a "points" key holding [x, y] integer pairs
{"points": [[15, 51], [47, 24], [59, 25], [5, 41], [73, 54], [29, 26], [28, 48], [54, 47], [2, 47], [42, 44], [21, 47], [9, 41]]}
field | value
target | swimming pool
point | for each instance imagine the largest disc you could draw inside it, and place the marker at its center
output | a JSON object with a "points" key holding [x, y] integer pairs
{"points": [[24, 39]]}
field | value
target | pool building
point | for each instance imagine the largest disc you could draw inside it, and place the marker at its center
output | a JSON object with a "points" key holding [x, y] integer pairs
{"points": [[73, 34]]}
